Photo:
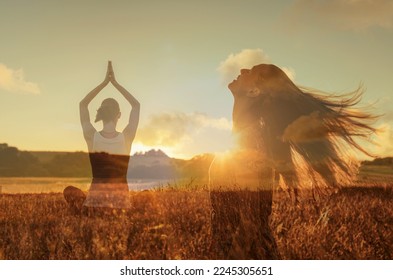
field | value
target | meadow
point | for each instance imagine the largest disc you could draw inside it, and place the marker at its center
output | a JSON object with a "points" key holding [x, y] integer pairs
{"points": [[174, 223]]}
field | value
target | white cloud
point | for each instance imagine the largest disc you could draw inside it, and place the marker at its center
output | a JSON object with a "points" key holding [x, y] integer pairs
{"points": [[246, 59], [14, 81], [171, 129], [344, 14], [203, 120], [230, 68]]}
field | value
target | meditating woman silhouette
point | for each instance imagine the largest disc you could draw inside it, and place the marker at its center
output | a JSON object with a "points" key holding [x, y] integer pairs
{"points": [[109, 152]]}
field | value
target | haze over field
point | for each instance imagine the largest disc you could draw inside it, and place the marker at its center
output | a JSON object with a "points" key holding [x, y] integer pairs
{"points": [[177, 57]]}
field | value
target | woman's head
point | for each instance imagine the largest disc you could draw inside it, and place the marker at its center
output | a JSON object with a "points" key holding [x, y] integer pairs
{"points": [[260, 79], [252, 91], [108, 111]]}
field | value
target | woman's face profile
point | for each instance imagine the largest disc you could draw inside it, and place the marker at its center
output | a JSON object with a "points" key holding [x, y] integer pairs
{"points": [[246, 81]]}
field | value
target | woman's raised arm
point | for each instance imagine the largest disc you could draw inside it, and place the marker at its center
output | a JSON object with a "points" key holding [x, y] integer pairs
{"points": [[133, 121], [88, 128]]}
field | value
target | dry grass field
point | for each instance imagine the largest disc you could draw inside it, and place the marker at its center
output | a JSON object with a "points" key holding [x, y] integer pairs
{"points": [[355, 223]]}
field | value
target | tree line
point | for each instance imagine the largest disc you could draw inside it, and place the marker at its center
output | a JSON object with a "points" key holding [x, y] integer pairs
{"points": [[17, 163]]}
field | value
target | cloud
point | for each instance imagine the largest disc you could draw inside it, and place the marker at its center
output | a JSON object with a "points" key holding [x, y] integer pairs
{"points": [[14, 81], [344, 14], [246, 59], [203, 120], [229, 69], [171, 129]]}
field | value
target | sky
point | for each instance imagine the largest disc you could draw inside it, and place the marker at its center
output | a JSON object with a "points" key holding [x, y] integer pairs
{"points": [[176, 58]]}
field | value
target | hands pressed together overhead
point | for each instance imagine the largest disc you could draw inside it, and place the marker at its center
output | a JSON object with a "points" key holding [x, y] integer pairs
{"points": [[110, 75]]}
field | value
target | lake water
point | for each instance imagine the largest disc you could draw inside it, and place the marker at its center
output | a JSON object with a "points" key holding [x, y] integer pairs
{"points": [[52, 184]]}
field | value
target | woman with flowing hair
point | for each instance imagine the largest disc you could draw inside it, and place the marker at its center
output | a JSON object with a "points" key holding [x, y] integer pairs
{"points": [[285, 133], [109, 152]]}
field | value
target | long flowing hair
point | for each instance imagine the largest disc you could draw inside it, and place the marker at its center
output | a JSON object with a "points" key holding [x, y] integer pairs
{"points": [[304, 129]]}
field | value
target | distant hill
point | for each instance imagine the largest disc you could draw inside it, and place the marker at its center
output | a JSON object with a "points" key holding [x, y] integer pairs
{"points": [[378, 167], [45, 156], [379, 161], [153, 164]]}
